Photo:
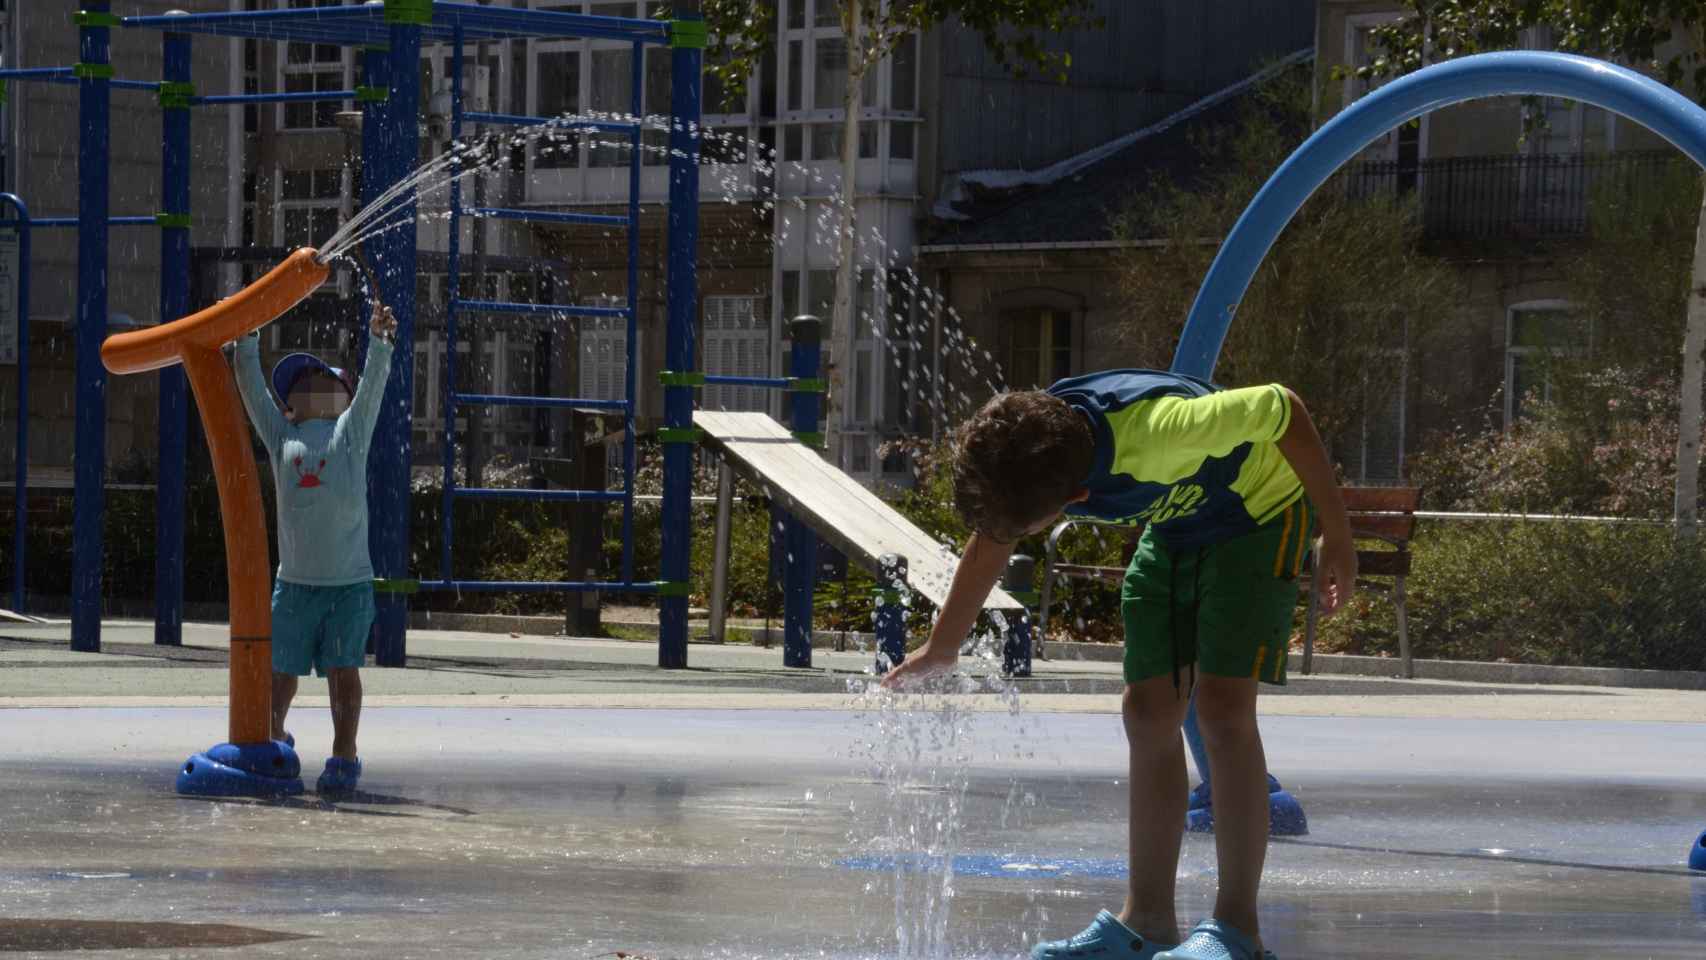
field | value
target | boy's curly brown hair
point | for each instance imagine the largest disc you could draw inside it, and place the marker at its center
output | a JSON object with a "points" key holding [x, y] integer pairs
{"points": [[1018, 460]]}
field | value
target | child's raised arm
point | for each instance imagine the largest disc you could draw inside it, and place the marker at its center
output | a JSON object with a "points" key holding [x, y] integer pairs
{"points": [[252, 385], [357, 423]]}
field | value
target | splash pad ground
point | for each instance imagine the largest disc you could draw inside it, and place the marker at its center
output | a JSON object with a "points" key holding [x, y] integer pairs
{"points": [[539, 797]]}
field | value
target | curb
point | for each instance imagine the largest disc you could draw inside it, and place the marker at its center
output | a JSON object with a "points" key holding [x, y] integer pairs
{"points": [[1462, 671]]}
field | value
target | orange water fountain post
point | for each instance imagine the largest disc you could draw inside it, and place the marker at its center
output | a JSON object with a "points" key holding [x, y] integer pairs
{"points": [[250, 763]]}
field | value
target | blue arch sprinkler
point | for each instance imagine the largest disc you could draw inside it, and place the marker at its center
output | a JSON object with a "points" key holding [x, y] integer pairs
{"points": [[1517, 73]]}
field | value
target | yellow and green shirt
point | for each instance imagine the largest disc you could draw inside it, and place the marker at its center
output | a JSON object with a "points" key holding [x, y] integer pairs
{"points": [[1198, 464]]}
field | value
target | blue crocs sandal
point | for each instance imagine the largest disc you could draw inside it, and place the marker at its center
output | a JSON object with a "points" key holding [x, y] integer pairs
{"points": [[339, 777], [1213, 940], [1105, 939]]}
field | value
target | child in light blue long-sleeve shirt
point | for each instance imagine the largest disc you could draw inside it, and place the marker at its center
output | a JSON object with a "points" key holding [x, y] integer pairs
{"points": [[322, 602]]}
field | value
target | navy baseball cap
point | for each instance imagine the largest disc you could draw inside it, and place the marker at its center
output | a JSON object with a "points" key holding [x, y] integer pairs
{"points": [[299, 365]]}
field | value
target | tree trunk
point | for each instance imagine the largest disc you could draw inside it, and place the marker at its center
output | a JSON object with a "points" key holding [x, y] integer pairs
{"points": [[1693, 362], [843, 323]]}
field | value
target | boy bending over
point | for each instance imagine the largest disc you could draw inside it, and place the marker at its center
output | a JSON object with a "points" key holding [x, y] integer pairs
{"points": [[1230, 485]]}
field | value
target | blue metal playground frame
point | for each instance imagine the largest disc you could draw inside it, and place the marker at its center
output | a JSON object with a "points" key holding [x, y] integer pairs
{"points": [[389, 33]]}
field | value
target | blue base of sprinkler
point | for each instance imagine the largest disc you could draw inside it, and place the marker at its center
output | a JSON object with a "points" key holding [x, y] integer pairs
{"points": [[269, 769], [1285, 814], [1697, 853]]}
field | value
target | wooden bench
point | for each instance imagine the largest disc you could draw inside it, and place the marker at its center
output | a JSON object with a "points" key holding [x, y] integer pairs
{"points": [[1387, 514]]}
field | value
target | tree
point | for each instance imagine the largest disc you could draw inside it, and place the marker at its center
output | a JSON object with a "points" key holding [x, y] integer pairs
{"points": [[1340, 299], [1667, 37], [1013, 31]]}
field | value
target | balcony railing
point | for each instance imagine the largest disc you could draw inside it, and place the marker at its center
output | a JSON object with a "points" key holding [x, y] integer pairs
{"points": [[1512, 197]]}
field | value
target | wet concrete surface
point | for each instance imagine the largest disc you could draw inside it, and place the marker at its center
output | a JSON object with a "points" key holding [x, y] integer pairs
{"points": [[673, 833]]}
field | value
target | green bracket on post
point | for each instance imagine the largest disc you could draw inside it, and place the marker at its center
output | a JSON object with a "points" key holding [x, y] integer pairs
{"points": [[172, 221], [674, 588], [408, 11], [372, 94], [1029, 598], [687, 33], [382, 585], [808, 385], [883, 597], [680, 435], [176, 94], [810, 438], [92, 71], [677, 378], [2, 91], [93, 18]]}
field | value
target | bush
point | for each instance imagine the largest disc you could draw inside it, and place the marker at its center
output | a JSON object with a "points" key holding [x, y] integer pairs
{"points": [[1576, 594]]}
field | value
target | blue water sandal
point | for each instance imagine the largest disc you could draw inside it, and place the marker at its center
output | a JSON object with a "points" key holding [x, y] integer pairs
{"points": [[1105, 939], [1213, 940], [339, 777]]}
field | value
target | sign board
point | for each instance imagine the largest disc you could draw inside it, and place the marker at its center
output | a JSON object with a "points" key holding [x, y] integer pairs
{"points": [[9, 279]]}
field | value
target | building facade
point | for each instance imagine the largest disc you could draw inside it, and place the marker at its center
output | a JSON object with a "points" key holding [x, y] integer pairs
{"points": [[940, 121]]}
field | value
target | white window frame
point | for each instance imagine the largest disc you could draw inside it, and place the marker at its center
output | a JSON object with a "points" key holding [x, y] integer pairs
{"points": [[1386, 146], [741, 323], [281, 205], [596, 333], [1513, 351], [284, 69]]}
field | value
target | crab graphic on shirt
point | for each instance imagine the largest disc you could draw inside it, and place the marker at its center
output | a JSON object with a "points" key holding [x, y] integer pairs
{"points": [[309, 478]]}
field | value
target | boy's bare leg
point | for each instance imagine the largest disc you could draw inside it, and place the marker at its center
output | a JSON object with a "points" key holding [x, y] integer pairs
{"points": [[1226, 712], [1153, 710], [345, 688], [283, 691]]}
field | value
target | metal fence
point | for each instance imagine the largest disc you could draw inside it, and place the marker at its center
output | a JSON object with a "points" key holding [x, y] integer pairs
{"points": [[1511, 197]]}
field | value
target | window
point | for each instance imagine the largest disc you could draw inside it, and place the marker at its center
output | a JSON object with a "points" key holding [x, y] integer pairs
{"points": [[1040, 350], [1537, 335], [903, 91], [657, 97], [1405, 145], [604, 353], [612, 93], [310, 204], [311, 67], [559, 78], [901, 141], [251, 208], [829, 76], [737, 344]]}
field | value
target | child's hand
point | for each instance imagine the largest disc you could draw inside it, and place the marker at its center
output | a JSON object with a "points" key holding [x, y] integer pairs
{"points": [[1338, 573], [384, 323], [923, 663]]}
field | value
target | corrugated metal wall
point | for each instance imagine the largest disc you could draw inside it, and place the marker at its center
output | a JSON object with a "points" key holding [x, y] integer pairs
{"points": [[1155, 57]]}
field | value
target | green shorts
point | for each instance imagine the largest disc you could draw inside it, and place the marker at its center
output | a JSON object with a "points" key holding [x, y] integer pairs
{"points": [[1225, 609]]}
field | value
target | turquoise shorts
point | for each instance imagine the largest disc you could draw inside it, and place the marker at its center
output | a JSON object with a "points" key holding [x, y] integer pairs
{"points": [[320, 628]]}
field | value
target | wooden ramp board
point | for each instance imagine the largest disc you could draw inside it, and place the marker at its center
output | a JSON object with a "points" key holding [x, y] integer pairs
{"points": [[836, 506]]}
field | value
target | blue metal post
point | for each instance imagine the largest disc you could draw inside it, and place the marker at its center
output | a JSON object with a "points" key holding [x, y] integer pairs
{"points": [[20, 482], [1016, 647], [799, 579], [631, 369], [890, 618], [454, 268], [174, 303], [686, 62], [89, 512], [394, 257]]}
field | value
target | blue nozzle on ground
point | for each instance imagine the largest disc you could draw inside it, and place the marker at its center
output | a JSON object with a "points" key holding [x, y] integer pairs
{"points": [[269, 769], [1285, 813], [1697, 853]]}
